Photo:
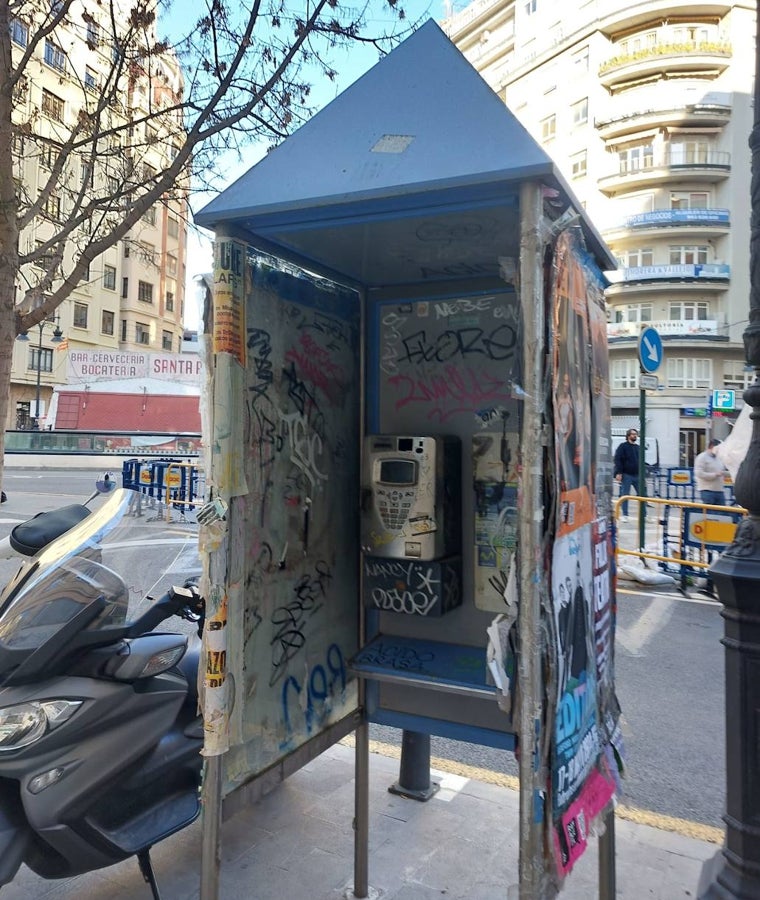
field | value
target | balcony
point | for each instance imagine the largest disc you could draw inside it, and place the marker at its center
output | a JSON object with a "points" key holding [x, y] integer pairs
{"points": [[698, 58], [663, 105], [700, 272], [708, 167], [668, 329], [711, 222]]}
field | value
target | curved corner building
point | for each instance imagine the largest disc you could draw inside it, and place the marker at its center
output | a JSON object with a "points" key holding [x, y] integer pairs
{"points": [[647, 109]]}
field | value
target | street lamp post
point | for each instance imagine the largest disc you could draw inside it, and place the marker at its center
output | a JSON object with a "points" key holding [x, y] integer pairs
{"points": [[734, 872], [56, 339]]}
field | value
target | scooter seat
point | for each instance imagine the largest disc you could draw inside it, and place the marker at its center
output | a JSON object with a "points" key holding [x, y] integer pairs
{"points": [[30, 537]]}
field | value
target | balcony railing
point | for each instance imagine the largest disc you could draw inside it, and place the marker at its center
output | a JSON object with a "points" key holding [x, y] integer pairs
{"points": [[665, 217], [667, 328], [719, 271], [678, 159], [663, 51]]}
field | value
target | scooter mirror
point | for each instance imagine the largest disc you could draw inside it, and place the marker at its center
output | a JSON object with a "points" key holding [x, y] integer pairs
{"points": [[106, 483]]}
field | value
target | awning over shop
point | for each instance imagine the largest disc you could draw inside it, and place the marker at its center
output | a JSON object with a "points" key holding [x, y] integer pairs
{"points": [[150, 413]]}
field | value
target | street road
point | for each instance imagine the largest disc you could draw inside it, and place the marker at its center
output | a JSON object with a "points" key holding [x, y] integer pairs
{"points": [[670, 679]]}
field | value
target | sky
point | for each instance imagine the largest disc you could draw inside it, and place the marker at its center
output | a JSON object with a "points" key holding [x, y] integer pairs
{"points": [[349, 63]]}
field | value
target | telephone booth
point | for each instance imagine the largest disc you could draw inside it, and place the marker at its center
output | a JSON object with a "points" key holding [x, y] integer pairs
{"points": [[408, 428]]}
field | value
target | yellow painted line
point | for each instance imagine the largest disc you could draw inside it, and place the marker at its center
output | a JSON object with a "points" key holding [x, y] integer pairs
{"points": [[685, 827]]}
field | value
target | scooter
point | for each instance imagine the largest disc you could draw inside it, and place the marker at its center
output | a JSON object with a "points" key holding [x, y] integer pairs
{"points": [[100, 734]]}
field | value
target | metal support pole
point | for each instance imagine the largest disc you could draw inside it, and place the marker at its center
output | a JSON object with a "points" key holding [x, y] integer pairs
{"points": [[532, 576], [414, 770], [642, 467], [607, 889], [361, 812], [211, 834], [734, 872]]}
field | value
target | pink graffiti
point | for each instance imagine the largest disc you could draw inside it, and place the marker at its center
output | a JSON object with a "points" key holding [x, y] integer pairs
{"points": [[452, 392], [315, 364]]}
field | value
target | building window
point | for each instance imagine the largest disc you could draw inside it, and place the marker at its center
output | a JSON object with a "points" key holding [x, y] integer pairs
{"points": [[54, 56], [639, 312], [636, 258], [690, 310], [93, 35], [634, 159], [142, 333], [123, 329], [90, 80], [737, 375], [19, 32], [171, 263], [685, 255], [109, 278], [149, 215], [686, 153], [40, 359], [579, 163], [624, 373], [126, 249], [580, 60], [172, 226], [52, 105], [689, 372], [52, 207], [548, 127], [124, 288], [166, 340], [85, 175], [145, 291], [107, 321], [689, 200], [530, 7], [80, 315], [148, 253], [580, 112], [169, 301]]}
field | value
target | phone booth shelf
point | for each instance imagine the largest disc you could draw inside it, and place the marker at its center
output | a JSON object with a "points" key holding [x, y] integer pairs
{"points": [[400, 228]]}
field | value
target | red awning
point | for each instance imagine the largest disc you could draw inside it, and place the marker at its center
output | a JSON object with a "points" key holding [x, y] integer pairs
{"points": [[146, 413]]}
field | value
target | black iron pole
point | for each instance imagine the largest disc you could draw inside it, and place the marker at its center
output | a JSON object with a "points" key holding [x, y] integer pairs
{"points": [[734, 872], [39, 373]]}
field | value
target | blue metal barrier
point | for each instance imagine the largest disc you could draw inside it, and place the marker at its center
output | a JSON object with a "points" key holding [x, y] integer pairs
{"points": [[166, 483]]}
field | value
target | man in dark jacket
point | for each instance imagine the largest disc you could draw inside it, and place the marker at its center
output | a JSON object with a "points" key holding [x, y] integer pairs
{"points": [[627, 467]]}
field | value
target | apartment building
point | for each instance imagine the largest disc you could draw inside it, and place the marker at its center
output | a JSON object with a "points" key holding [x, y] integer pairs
{"points": [[87, 84], [646, 108]]}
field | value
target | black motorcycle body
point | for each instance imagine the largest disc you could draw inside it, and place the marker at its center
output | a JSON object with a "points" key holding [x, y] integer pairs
{"points": [[100, 734]]}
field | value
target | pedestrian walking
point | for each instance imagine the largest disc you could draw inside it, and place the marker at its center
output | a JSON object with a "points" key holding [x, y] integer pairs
{"points": [[710, 473], [626, 469]]}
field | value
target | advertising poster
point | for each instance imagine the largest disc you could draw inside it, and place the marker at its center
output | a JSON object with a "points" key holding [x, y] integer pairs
{"points": [[581, 575]]}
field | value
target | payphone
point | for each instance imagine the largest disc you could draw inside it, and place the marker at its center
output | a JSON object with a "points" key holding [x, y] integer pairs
{"points": [[411, 502], [411, 523]]}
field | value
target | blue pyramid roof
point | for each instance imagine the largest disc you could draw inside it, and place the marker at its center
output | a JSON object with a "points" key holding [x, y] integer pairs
{"points": [[419, 135]]}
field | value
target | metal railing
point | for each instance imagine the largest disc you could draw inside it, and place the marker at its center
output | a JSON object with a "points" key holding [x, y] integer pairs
{"points": [[121, 443], [682, 537]]}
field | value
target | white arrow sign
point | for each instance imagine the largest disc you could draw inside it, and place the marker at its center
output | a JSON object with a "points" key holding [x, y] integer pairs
{"points": [[652, 351]]}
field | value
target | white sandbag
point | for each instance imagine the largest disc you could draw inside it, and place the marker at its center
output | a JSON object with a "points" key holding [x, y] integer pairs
{"points": [[644, 575]]}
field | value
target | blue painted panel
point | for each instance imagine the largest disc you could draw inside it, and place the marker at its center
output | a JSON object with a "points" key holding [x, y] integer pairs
{"points": [[488, 737]]}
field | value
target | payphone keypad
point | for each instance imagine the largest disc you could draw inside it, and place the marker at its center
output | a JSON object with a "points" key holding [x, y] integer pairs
{"points": [[394, 505]]}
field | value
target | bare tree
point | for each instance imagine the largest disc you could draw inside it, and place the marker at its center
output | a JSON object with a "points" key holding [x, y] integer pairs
{"points": [[141, 125]]}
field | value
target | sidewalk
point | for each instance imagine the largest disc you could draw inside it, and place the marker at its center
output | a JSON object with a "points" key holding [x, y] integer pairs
{"points": [[297, 844]]}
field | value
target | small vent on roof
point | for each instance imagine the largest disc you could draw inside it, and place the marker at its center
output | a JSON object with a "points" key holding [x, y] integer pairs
{"points": [[393, 143]]}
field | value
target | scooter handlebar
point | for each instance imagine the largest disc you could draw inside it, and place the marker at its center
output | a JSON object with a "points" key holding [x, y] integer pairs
{"points": [[170, 604]]}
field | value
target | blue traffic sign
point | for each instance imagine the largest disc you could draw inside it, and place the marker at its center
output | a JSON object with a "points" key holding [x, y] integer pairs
{"points": [[650, 350]]}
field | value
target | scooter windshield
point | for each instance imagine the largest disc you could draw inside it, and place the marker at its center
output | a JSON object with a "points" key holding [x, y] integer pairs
{"points": [[115, 558]]}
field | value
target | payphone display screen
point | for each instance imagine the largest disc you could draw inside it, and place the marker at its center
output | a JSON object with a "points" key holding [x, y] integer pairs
{"points": [[398, 471]]}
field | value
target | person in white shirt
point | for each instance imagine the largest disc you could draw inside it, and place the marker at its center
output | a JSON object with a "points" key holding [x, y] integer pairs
{"points": [[709, 472]]}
